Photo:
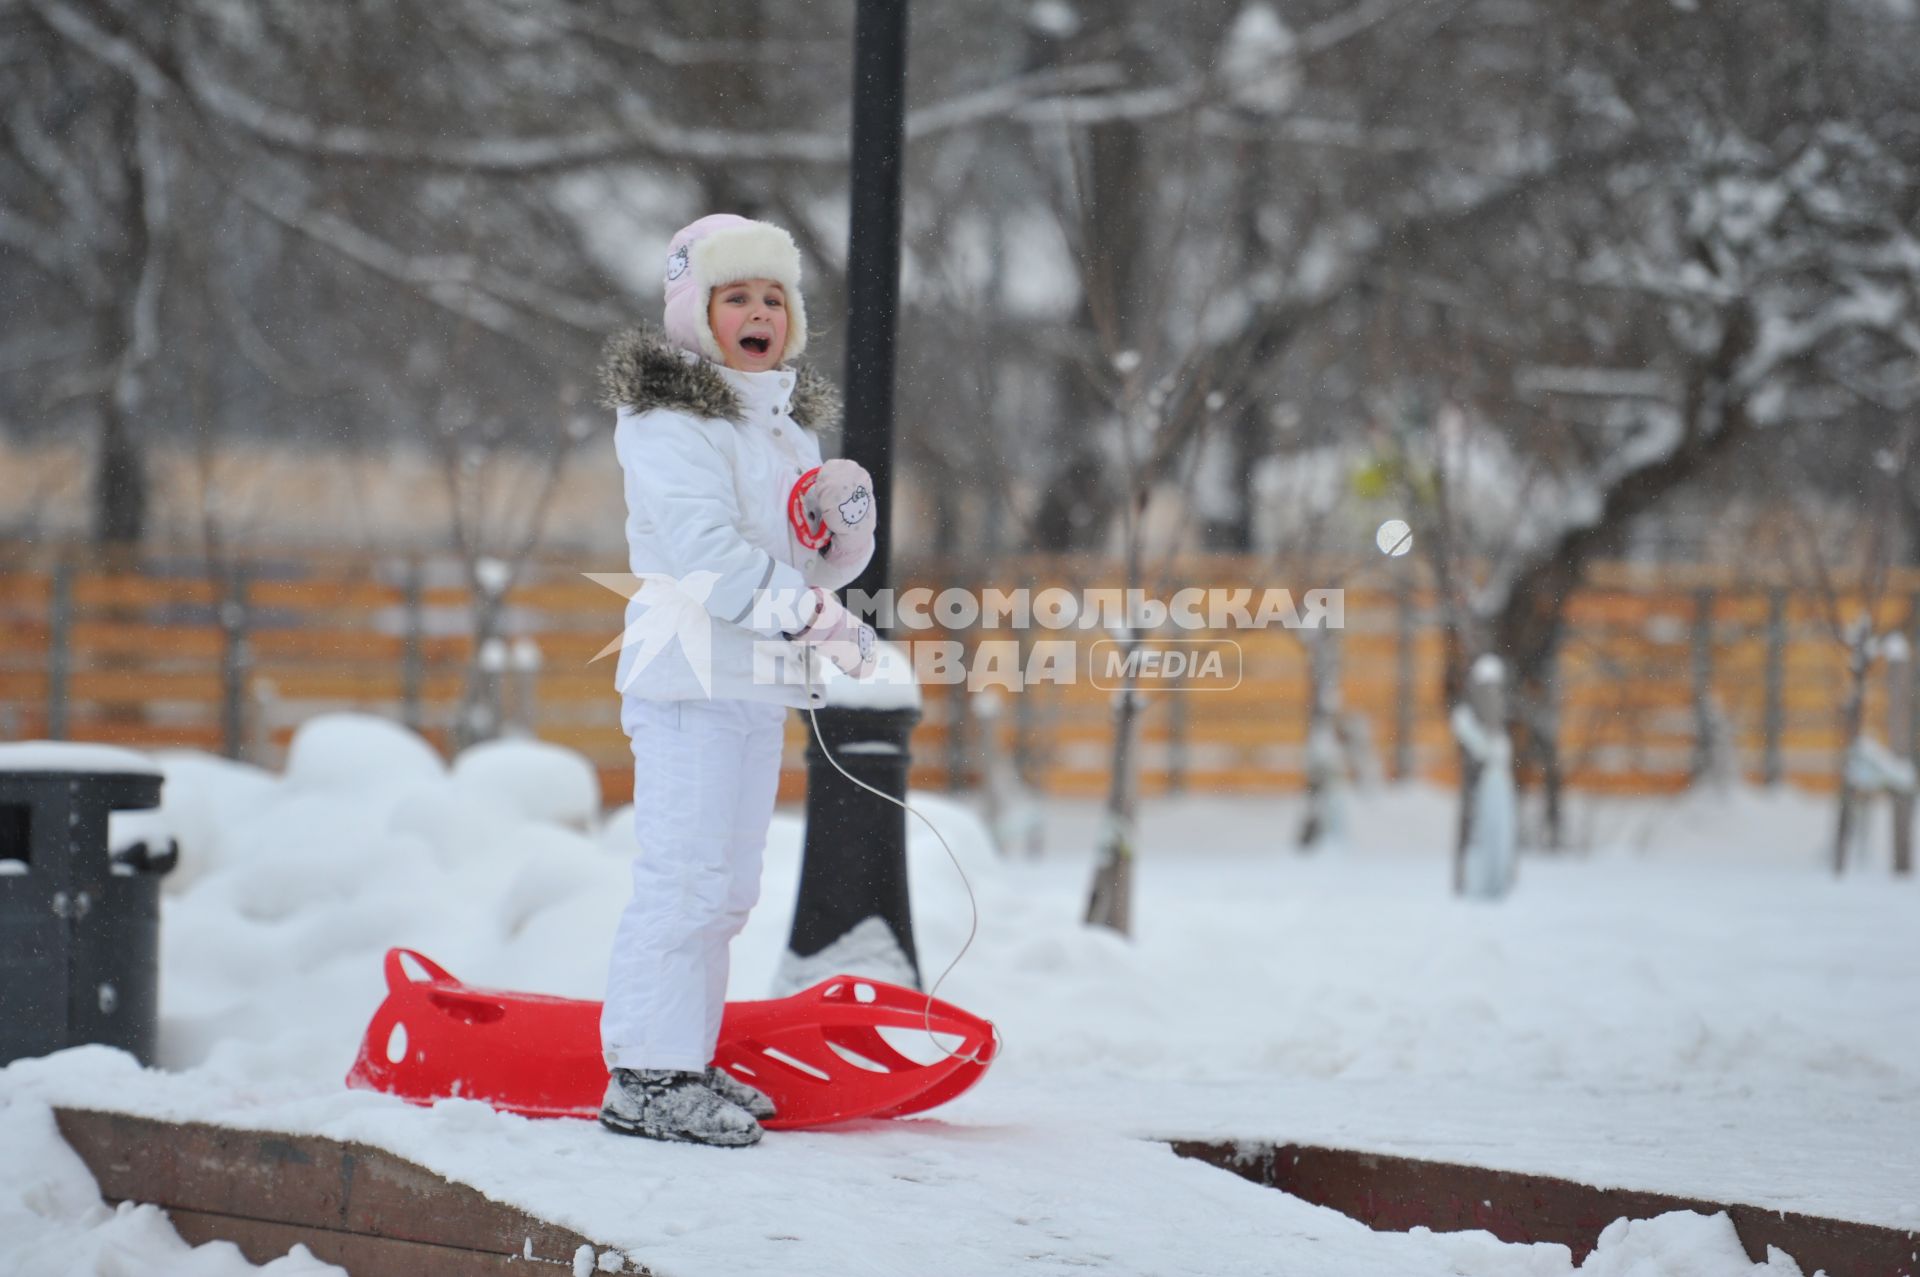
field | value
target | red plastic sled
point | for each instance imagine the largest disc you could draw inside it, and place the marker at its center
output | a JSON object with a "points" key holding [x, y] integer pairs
{"points": [[819, 1055]]}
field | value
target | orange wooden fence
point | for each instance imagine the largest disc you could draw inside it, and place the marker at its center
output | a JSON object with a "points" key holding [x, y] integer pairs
{"points": [[163, 653]]}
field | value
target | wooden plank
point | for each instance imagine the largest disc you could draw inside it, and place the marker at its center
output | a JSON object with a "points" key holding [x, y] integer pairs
{"points": [[1595, 781], [608, 752], [320, 594], [349, 683], [594, 683], [263, 1241], [1397, 1194], [1599, 699], [27, 590], [153, 642], [303, 1182], [26, 686], [566, 648], [326, 643], [1238, 780], [143, 686], [568, 595], [20, 635], [1059, 782], [208, 737], [23, 721], [97, 592]]}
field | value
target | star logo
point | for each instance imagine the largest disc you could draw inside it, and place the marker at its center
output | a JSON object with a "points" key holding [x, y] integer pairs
{"points": [[676, 608]]}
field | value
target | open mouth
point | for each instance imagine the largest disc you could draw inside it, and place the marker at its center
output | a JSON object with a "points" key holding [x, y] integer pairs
{"points": [[756, 345]]}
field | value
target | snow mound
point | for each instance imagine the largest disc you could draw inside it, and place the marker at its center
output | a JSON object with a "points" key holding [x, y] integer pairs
{"points": [[348, 751], [1679, 1244], [538, 781]]}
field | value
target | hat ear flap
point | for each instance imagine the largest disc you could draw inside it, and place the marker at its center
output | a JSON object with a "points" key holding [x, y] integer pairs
{"points": [[703, 325], [796, 326]]}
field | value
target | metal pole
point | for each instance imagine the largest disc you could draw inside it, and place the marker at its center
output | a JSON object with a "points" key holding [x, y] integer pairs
{"points": [[413, 660], [873, 255], [235, 659], [1772, 769], [1703, 727], [59, 648], [854, 868], [1403, 758]]}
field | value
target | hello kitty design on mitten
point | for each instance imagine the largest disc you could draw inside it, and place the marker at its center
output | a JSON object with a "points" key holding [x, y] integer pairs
{"points": [[855, 508], [840, 503]]}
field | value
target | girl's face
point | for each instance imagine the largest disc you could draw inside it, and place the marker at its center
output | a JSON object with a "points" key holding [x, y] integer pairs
{"points": [[749, 321]]}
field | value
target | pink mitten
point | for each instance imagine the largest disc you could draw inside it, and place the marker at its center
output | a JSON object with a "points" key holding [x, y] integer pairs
{"points": [[842, 498], [841, 637]]}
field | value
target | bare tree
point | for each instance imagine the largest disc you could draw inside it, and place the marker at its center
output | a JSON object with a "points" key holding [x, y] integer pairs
{"points": [[1845, 566]]}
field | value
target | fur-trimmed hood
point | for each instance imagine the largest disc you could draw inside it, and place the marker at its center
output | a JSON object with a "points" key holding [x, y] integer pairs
{"points": [[640, 369]]}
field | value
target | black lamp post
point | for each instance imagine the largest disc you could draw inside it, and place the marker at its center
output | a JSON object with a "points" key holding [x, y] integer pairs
{"points": [[852, 913]]}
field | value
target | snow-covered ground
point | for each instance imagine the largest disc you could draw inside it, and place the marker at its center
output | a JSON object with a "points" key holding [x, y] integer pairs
{"points": [[1694, 1007]]}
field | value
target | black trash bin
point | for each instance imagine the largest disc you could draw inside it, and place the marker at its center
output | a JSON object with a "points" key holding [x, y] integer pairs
{"points": [[79, 928]]}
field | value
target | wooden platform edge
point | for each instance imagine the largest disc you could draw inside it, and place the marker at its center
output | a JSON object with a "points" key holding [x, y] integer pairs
{"points": [[1396, 1194], [379, 1215], [370, 1211]]}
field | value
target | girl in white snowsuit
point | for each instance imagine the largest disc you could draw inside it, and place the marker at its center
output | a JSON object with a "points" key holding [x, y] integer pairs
{"points": [[715, 429]]}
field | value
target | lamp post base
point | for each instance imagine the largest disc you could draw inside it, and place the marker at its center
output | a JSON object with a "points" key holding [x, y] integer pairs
{"points": [[852, 914]]}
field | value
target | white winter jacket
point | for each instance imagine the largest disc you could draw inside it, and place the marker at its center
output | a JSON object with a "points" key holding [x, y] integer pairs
{"points": [[709, 456]]}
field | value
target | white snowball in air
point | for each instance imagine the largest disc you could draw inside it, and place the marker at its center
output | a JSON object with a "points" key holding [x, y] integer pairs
{"points": [[1394, 537]]}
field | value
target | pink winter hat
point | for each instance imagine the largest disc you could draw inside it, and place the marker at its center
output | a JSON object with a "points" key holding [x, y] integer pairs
{"points": [[724, 249]]}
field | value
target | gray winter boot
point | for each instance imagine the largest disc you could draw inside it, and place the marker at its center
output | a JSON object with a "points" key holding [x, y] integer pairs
{"points": [[728, 1087], [667, 1104]]}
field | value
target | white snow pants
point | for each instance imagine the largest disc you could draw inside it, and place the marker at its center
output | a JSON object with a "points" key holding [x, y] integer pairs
{"points": [[704, 780]]}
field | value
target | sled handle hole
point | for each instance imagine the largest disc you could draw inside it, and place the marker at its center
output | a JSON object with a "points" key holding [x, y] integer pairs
{"points": [[795, 1065], [856, 1059], [920, 1046], [468, 1009]]}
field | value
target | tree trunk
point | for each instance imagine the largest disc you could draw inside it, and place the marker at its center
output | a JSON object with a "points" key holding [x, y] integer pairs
{"points": [[1852, 714], [479, 717], [1900, 744], [1463, 828], [1536, 721], [1246, 432], [1112, 206], [1529, 626], [1110, 903], [1326, 758], [1075, 504], [120, 480], [128, 333]]}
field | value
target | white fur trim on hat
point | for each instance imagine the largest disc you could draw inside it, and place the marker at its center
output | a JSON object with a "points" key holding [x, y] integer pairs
{"points": [[756, 250]]}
